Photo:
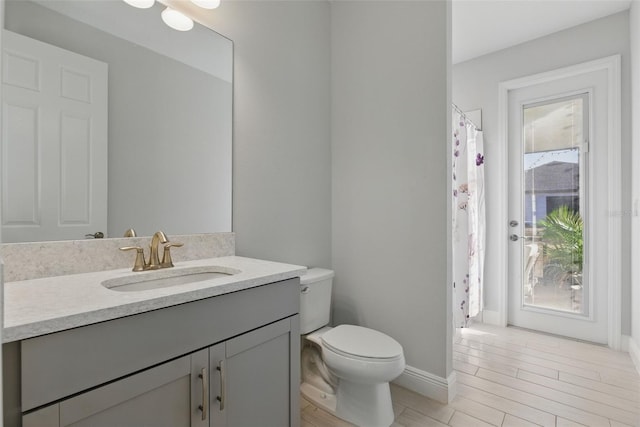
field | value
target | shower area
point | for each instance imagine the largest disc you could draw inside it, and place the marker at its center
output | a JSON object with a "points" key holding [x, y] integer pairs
{"points": [[468, 215]]}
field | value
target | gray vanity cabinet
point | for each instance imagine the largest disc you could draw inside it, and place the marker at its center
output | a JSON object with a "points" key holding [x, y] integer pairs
{"points": [[226, 361], [163, 396], [248, 384]]}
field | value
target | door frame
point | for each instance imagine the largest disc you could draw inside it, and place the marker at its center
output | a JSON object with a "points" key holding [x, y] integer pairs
{"points": [[611, 65]]}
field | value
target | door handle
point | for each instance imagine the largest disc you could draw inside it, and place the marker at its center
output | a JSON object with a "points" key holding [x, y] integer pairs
{"points": [[515, 237], [96, 235], [223, 384], [205, 393]]}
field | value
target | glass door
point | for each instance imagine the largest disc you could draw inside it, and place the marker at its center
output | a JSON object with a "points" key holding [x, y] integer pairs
{"points": [[559, 217], [554, 200]]}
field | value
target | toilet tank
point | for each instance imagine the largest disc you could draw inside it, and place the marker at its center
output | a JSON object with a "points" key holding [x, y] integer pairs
{"points": [[315, 299]]}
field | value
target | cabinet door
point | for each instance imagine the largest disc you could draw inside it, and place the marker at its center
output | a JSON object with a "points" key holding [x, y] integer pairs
{"points": [[45, 417], [256, 379], [157, 397]]}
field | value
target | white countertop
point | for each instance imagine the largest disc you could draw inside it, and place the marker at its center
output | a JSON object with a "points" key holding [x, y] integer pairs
{"points": [[42, 306]]}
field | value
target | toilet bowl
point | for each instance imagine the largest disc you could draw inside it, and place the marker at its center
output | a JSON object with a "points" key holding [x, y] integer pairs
{"points": [[363, 355], [345, 369]]}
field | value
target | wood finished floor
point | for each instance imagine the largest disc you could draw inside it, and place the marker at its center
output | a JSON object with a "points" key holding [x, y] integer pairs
{"points": [[516, 378]]}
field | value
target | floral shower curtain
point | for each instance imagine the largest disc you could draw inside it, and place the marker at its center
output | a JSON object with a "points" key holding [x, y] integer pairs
{"points": [[468, 212]]}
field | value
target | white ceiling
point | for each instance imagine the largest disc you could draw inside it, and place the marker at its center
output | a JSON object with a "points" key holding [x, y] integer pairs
{"points": [[485, 26]]}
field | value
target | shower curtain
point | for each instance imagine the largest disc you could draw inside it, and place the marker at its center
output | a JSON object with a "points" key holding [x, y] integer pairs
{"points": [[468, 211]]}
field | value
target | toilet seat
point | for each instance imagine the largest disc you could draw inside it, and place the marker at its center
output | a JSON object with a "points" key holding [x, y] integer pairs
{"points": [[361, 343]]}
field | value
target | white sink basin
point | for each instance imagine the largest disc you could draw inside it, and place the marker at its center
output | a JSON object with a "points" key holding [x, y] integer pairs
{"points": [[157, 279]]}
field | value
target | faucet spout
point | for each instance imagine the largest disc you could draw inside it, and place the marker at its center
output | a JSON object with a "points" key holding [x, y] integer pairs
{"points": [[154, 261]]}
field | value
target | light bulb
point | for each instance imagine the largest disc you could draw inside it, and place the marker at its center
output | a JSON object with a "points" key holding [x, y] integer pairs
{"points": [[206, 4], [176, 20], [140, 4]]}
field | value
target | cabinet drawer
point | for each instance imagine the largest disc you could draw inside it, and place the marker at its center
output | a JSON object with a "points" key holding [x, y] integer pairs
{"points": [[61, 364]]}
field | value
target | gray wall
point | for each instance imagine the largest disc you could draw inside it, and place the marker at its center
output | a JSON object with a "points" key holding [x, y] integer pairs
{"points": [[282, 152], [635, 100], [349, 97], [163, 117], [475, 85], [389, 161]]}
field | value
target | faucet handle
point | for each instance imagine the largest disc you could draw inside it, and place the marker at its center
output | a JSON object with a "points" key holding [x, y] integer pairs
{"points": [[130, 233], [140, 263], [166, 255]]}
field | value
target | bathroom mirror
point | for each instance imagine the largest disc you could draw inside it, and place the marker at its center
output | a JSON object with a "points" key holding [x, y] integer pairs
{"points": [[167, 160]]}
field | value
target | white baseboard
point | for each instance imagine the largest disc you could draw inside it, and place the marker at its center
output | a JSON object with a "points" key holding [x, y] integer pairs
{"points": [[491, 317], [624, 342], [429, 385], [634, 352]]}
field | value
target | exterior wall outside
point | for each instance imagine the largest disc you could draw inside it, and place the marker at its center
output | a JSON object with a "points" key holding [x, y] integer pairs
{"points": [[541, 205], [475, 85], [389, 158]]}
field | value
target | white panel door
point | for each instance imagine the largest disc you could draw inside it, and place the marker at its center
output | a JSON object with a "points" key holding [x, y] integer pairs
{"points": [[54, 142]]}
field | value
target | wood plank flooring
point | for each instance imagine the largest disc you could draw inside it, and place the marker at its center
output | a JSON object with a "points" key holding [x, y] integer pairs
{"points": [[515, 378]]}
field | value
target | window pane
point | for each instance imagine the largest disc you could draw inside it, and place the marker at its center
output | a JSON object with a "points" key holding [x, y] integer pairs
{"points": [[553, 255]]}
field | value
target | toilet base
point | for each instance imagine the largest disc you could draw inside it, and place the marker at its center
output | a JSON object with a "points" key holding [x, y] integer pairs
{"points": [[319, 398], [364, 405]]}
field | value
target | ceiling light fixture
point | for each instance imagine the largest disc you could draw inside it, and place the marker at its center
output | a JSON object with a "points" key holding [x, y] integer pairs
{"points": [[140, 4], [177, 20], [206, 4], [174, 19]]}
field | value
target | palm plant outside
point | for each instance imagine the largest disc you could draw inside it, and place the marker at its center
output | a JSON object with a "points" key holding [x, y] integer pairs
{"points": [[563, 236]]}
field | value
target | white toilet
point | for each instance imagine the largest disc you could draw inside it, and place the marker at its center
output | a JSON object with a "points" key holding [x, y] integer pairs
{"points": [[346, 369]]}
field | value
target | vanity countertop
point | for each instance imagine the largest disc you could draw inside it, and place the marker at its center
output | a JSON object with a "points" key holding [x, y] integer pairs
{"points": [[42, 306]]}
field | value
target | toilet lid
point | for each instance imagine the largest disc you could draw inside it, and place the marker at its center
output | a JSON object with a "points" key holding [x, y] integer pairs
{"points": [[361, 342]]}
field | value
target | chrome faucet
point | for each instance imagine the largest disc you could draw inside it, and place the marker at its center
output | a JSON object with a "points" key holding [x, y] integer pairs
{"points": [[154, 261]]}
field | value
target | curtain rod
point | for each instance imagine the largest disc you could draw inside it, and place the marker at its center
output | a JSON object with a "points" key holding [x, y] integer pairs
{"points": [[459, 111]]}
